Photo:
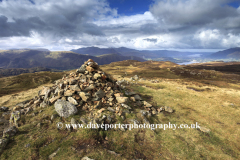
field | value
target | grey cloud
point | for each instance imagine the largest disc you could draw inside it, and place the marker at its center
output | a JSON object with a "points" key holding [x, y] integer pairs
{"points": [[192, 12], [154, 40], [59, 18]]}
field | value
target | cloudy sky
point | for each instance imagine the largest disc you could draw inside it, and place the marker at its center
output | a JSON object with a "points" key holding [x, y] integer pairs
{"points": [[140, 24]]}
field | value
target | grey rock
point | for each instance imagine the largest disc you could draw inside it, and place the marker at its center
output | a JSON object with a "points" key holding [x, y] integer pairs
{"points": [[75, 88], [89, 88], [100, 93], [126, 106], [44, 91], [15, 117], [43, 104], [3, 144], [137, 97], [10, 132], [82, 69], [65, 108], [47, 93], [111, 109], [4, 109]]}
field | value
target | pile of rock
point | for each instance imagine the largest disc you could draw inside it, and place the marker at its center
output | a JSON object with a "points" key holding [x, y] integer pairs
{"points": [[88, 89]]}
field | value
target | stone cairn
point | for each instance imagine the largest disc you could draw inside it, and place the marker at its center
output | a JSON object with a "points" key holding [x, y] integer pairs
{"points": [[88, 89]]}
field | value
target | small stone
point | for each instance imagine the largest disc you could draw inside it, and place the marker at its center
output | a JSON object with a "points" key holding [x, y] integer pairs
{"points": [[133, 99], [72, 100], [10, 132], [126, 106], [85, 96], [17, 108], [89, 69], [86, 158], [43, 104], [98, 104], [168, 109], [205, 130], [154, 111], [54, 116], [27, 145], [100, 93], [122, 99], [54, 154], [101, 110], [111, 109], [146, 104], [54, 99], [160, 109], [97, 76], [39, 125], [137, 97], [69, 93], [89, 88]]}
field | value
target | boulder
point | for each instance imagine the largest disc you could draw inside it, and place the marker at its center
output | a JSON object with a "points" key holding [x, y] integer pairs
{"points": [[65, 108]]}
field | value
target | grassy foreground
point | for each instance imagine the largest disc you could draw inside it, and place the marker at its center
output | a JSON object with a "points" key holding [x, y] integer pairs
{"points": [[213, 105]]}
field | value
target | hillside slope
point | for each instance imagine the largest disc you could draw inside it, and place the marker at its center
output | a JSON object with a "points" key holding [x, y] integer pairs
{"points": [[62, 60], [228, 53]]}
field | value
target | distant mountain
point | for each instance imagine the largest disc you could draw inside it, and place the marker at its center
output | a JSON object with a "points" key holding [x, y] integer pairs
{"points": [[95, 51], [145, 54], [61, 60], [225, 54]]}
